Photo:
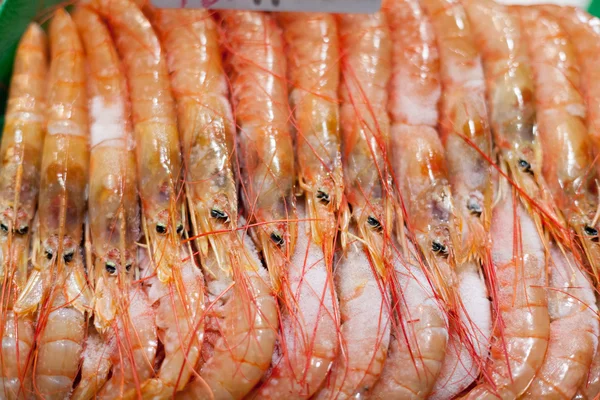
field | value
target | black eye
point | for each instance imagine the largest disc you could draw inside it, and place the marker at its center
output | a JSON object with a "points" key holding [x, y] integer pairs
{"points": [[277, 239], [49, 254], [160, 228], [110, 267], [220, 215], [374, 223], [179, 229], [68, 257], [4, 228], [474, 207], [23, 230], [439, 248], [591, 231], [525, 166], [128, 267], [323, 197]]}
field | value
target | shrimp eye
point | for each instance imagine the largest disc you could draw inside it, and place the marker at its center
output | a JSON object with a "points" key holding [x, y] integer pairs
{"points": [[128, 267], [474, 207], [4, 228], [179, 229], [375, 224], [220, 215], [525, 166], [49, 254], [110, 267], [591, 231], [161, 229], [439, 248], [277, 239], [23, 230], [324, 197], [68, 257]]}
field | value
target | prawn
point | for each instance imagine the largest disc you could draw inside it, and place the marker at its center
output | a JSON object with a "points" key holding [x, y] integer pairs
{"points": [[114, 216], [464, 125], [308, 340], [241, 318], [257, 67], [364, 326], [57, 285], [422, 176], [313, 68], [366, 71], [572, 308], [566, 146], [21, 154], [519, 344]]}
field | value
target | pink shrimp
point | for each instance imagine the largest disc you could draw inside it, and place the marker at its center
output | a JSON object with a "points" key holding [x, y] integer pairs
{"points": [[364, 327], [114, 220], [57, 284], [572, 307], [260, 99], [464, 124], [313, 68], [566, 146], [21, 152], [520, 342]]}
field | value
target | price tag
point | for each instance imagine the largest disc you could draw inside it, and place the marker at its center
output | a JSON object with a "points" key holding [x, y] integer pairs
{"points": [[330, 6]]}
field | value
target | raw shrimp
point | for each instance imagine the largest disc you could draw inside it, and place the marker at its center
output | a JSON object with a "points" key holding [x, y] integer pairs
{"points": [[566, 146], [364, 329], [521, 339], [259, 91], [114, 221], [422, 177], [573, 330], [21, 154], [57, 284], [464, 125], [591, 385], [155, 132], [366, 70], [313, 68], [308, 340]]}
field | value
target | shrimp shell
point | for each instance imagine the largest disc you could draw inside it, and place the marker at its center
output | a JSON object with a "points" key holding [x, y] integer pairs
{"points": [[256, 61], [313, 68], [366, 71]]}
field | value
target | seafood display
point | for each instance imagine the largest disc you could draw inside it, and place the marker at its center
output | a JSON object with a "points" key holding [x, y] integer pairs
{"points": [[200, 204]]}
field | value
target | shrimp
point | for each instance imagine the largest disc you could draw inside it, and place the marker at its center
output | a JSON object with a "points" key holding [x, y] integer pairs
{"points": [[57, 284], [566, 146], [366, 70], [591, 385], [308, 341], [364, 327], [572, 307], [464, 125], [21, 152], [420, 168], [313, 59], [259, 91], [114, 215], [519, 343]]}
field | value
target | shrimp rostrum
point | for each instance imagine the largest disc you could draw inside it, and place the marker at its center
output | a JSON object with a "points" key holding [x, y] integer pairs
{"points": [[57, 285]]}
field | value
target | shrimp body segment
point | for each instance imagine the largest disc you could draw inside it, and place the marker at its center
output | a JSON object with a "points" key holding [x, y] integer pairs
{"points": [[464, 124], [313, 68], [561, 113], [364, 327], [21, 152], [309, 336], [572, 307], [366, 71], [57, 285], [258, 77], [155, 131]]}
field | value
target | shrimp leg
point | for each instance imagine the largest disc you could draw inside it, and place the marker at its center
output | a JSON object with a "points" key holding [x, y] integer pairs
{"points": [[21, 154], [57, 284]]}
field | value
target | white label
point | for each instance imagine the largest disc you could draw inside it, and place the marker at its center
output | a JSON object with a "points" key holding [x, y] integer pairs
{"points": [[330, 6]]}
